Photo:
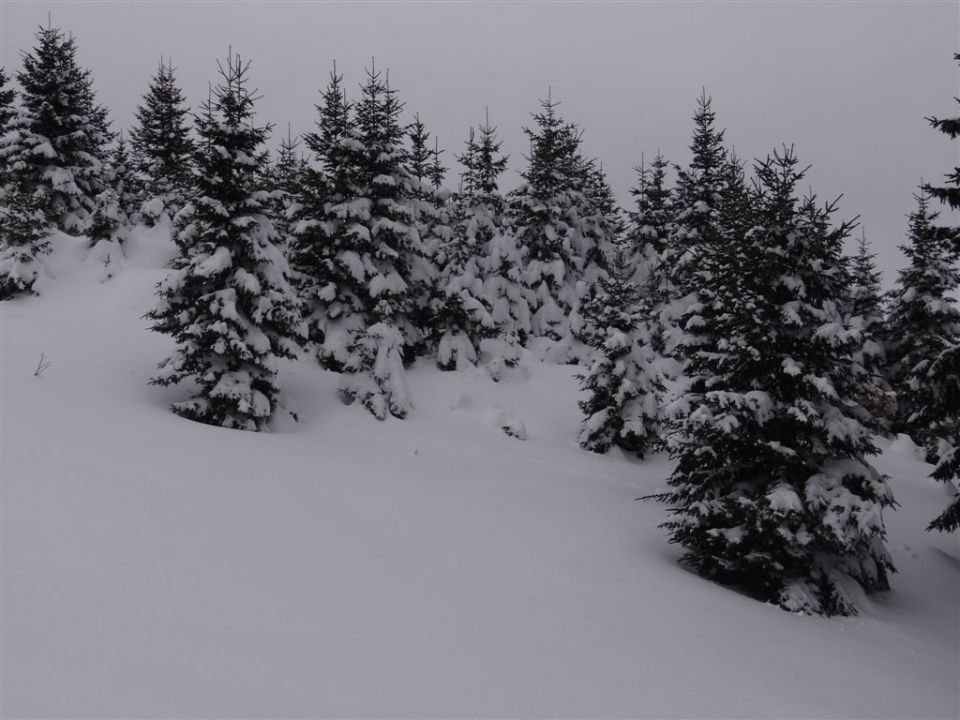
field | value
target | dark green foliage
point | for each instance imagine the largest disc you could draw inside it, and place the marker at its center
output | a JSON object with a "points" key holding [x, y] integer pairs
{"points": [[228, 303], [163, 145], [60, 135], [773, 491], [623, 382]]}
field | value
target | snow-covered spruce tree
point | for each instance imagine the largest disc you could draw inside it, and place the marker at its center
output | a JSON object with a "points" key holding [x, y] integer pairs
{"points": [[24, 238], [461, 312], [7, 113], [388, 254], [122, 178], [227, 301], [485, 211], [107, 233], [623, 380], [773, 491], [432, 217], [944, 376], [923, 320], [698, 198], [285, 178], [59, 136], [323, 241], [949, 194], [866, 303], [542, 215], [354, 248], [944, 372], [649, 229], [163, 146]]}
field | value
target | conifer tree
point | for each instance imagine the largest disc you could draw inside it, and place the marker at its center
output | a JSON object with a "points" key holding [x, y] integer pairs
{"points": [[943, 377], [324, 243], [163, 146], [24, 238], [948, 194], [7, 113], [107, 233], [773, 491], [649, 229], [122, 179], [461, 316], [389, 249], [227, 302], [436, 172], [501, 263], [357, 245], [542, 212], [866, 303], [923, 321], [59, 135], [623, 381], [420, 156], [698, 197], [285, 178]]}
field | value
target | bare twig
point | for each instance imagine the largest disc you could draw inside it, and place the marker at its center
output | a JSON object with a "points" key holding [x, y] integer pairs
{"points": [[42, 365]]}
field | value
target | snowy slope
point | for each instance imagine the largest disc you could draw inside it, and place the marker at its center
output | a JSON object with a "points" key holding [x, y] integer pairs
{"points": [[152, 566]]}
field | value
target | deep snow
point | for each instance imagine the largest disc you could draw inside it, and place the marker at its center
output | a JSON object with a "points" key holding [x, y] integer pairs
{"points": [[435, 566]]}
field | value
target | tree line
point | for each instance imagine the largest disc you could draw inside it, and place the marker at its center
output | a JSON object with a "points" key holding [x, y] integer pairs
{"points": [[718, 318]]}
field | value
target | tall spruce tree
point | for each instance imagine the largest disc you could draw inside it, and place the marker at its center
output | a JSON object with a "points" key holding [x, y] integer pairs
{"points": [[623, 381], [773, 491], [923, 321], [698, 201], [461, 313], [58, 138], [24, 238], [373, 373], [866, 303], [949, 194], [648, 232], [543, 215], [163, 146], [7, 113], [228, 302], [943, 377]]}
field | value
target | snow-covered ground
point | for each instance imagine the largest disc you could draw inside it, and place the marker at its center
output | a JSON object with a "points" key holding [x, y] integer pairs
{"points": [[435, 566]]}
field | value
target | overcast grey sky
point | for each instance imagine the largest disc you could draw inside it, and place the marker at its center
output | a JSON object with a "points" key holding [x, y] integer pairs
{"points": [[848, 83]]}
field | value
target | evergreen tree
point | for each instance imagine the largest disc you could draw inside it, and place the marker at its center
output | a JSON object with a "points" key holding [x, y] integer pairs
{"points": [[163, 146], [543, 214], [501, 263], [773, 491], [699, 197], [107, 233], [324, 243], [389, 250], [623, 381], [461, 314], [227, 302], [123, 180], [24, 238], [866, 303], [944, 376], [7, 113], [285, 177], [923, 321], [356, 249], [436, 172], [58, 137], [948, 194], [650, 227], [420, 156], [7, 96]]}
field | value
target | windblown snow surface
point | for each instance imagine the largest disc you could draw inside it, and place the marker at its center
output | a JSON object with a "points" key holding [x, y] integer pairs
{"points": [[436, 566]]}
